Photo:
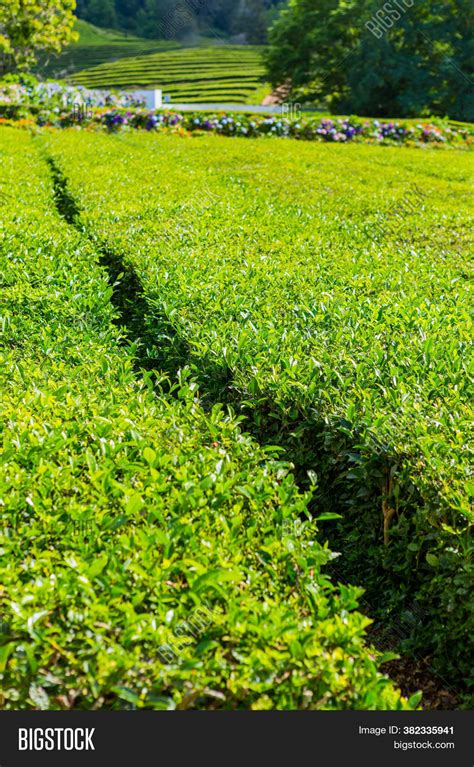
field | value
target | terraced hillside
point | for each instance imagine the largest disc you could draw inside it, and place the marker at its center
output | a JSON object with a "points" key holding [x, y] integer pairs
{"points": [[218, 74], [98, 46]]}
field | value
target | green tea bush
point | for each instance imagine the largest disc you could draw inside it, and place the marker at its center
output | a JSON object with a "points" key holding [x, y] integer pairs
{"points": [[187, 74], [97, 46], [152, 555], [324, 292]]}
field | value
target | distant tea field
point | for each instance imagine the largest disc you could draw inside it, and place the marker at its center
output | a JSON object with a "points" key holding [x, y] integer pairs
{"points": [[98, 46], [212, 72], [237, 391], [215, 74]]}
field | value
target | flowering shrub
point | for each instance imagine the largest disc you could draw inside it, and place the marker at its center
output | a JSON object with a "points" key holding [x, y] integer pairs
{"points": [[54, 104], [50, 102], [340, 130]]}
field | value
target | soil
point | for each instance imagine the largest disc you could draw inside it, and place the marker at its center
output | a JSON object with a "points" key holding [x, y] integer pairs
{"points": [[413, 674]]}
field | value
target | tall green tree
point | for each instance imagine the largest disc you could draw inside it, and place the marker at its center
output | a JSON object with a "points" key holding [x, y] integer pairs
{"points": [[158, 18], [398, 58], [102, 13], [254, 19], [30, 27], [309, 45], [422, 64]]}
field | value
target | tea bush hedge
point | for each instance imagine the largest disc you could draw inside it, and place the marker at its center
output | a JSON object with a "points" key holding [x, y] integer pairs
{"points": [[97, 46], [323, 291], [216, 74], [152, 555]]}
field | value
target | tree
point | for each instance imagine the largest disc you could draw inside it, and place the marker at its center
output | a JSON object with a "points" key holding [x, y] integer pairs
{"points": [[126, 12], [253, 21], [181, 18], [29, 27], [400, 58], [309, 44], [102, 13], [422, 64], [155, 19]]}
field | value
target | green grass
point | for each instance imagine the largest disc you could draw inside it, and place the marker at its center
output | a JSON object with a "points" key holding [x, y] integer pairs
{"points": [[91, 35], [134, 520], [324, 292], [212, 73], [98, 46]]}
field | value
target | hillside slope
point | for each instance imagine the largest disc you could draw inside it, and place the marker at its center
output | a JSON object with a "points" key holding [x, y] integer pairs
{"points": [[214, 74], [98, 46]]}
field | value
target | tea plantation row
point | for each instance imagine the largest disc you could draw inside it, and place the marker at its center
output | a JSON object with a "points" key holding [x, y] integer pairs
{"points": [[324, 292], [151, 554], [215, 74], [97, 46]]}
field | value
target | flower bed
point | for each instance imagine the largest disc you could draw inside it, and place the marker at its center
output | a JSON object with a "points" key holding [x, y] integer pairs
{"points": [[56, 97], [55, 105], [342, 130]]}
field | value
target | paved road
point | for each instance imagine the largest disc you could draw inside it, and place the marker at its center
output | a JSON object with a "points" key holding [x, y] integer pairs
{"points": [[254, 109]]}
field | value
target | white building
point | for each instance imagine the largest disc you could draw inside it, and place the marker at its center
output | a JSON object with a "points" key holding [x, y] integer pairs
{"points": [[153, 98]]}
